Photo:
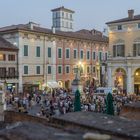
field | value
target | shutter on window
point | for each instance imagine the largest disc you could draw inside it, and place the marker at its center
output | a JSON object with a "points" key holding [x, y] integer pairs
{"points": [[4, 57], [134, 50], [114, 50], [123, 50]]}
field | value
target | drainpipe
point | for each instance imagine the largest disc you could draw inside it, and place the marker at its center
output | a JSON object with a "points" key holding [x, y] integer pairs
{"points": [[17, 72], [44, 62]]}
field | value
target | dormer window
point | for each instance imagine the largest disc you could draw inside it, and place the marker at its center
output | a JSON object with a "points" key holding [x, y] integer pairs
{"points": [[119, 27], [139, 25]]}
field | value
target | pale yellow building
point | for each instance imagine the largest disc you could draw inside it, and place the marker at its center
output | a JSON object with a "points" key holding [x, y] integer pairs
{"points": [[124, 53]]}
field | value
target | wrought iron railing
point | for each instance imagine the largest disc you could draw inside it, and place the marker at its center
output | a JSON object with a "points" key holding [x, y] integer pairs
{"points": [[9, 75]]}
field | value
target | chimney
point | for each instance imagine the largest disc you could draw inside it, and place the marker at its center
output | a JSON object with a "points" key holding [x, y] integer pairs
{"points": [[131, 14], [93, 32], [32, 24]]}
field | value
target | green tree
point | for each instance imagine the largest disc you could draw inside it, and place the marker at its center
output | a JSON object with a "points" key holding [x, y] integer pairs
{"points": [[109, 104], [77, 102]]}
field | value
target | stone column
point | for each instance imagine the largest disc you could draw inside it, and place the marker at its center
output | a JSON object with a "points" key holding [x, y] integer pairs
{"points": [[109, 75], [129, 80], [132, 82]]}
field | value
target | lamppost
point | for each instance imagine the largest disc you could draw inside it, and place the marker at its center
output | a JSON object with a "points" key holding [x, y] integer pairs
{"points": [[80, 68]]}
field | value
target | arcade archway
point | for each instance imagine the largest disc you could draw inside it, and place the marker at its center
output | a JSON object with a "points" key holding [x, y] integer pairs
{"points": [[137, 81], [120, 79]]}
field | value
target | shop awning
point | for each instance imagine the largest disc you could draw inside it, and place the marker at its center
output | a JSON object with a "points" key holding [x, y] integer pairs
{"points": [[53, 84]]}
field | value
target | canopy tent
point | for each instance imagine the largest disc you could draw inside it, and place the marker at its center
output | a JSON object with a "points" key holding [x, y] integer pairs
{"points": [[53, 84]]}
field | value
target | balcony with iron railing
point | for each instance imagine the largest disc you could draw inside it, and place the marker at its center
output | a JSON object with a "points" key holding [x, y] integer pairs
{"points": [[8, 75]]}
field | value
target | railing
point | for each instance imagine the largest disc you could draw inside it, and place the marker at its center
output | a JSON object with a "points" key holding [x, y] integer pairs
{"points": [[8, 75]]}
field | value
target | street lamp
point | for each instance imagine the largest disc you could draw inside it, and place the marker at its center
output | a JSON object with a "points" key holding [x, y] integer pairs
{"points": [[137, 73], [80, 67]]}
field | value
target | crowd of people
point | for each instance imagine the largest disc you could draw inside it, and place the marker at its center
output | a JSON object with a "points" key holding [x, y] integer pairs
{"points": [[61, 101]]}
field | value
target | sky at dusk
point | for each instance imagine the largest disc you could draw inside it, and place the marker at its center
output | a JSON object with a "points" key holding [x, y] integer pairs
{"points": [[89, 14]]}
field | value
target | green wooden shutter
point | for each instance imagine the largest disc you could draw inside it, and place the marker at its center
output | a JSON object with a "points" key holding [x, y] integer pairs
{"points": [[134, 49], [25, 50], [114, 50], [49, 52], [38, 51]]}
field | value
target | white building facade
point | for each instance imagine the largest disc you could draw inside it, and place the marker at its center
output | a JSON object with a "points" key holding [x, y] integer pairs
{"points": [[33, 59]]}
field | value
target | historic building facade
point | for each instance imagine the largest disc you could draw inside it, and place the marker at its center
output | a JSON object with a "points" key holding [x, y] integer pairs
{"points": [[48, 57], [83, 50], [124, 53], [8, 65]]}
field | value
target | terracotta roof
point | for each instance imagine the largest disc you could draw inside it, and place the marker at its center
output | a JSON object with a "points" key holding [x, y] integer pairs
{"points": [[62, 8], [136, 17], [4, 45], [87, 35]]}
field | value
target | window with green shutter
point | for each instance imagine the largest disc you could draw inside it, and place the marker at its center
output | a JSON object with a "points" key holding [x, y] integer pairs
{"points": [[88, 55], [49, 52], [59, 53], [75, 54], [59, 69], [25, 50], [49, 69], [81, 54], [37, 51], [37, 69], [94, 55], [25, 69], [100, 56], [67, 53], [67, 69]]}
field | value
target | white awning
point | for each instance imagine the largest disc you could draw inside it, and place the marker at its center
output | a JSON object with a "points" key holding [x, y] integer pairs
{"points": [[53, 84]]}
